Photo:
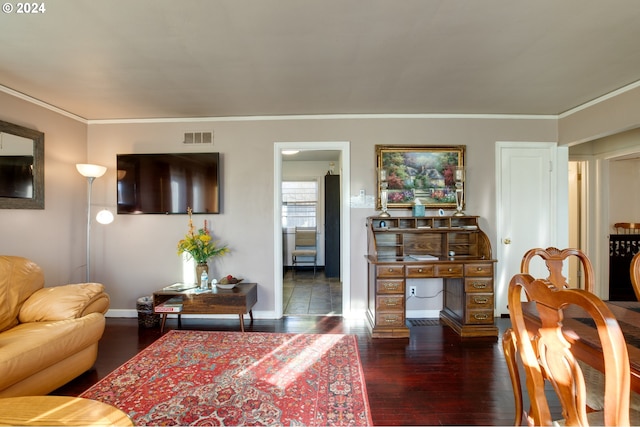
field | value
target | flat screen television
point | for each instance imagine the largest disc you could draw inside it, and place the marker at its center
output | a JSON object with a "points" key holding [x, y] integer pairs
{"points": [[168, 183]]}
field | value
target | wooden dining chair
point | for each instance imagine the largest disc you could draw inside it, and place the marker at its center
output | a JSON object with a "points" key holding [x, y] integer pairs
{"points": [[546, 355], [634, 271], [554, 259]]}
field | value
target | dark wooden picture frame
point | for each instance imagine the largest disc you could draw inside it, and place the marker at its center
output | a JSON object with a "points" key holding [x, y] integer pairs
{"points": [[424, 172], [32, 144]]}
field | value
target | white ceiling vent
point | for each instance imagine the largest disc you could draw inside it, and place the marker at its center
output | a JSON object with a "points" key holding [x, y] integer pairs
{"points": [[198, 138]]}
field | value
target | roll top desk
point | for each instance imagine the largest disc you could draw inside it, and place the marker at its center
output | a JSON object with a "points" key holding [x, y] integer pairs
{"points": [[452, 248]]}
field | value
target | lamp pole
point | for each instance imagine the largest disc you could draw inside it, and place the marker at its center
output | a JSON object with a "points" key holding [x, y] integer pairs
{"points": [[90, 180], [91, 172]]}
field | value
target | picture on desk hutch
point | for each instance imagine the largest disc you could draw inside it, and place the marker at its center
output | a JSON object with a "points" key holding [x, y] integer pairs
{"points": [[428, 173]]}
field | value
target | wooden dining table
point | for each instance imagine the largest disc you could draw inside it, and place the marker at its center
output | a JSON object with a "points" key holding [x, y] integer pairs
{"points": [[581, 332]]}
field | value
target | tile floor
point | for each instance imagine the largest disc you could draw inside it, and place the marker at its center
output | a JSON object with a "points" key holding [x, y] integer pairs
{"points": [[304, 294]]}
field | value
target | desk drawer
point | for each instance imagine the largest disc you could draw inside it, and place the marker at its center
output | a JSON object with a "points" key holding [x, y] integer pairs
{"points": [[449, 270], [480, 301], [390, 286], [421, 270], [478, 269], [390, 303], [390, 319], [390, 270], [484, 284], [479, 317]]}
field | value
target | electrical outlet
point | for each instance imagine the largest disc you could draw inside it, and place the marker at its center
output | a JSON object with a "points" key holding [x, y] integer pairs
{"points": [[412, 291]]}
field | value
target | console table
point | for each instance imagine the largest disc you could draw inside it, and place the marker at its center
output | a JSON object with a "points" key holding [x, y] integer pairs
{"points": [[238, 300], [452, 248]]}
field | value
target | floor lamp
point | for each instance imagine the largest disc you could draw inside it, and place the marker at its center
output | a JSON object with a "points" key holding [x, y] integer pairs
{"points": [[91, 172]]}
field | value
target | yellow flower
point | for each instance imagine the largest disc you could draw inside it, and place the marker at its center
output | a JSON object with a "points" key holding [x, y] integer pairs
{"points": [[200, 245]]}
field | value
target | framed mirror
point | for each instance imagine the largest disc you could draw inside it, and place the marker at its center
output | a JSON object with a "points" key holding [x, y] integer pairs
{"points": [[21, 167]]}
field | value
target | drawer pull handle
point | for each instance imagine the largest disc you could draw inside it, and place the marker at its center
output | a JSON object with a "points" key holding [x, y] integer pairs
{"points": [[419, 270], [391, 319], [481, 300], [451, 269], [479, 285], [391, 270], [391, 303], [391, 286], [481, 316], [479, 268]]}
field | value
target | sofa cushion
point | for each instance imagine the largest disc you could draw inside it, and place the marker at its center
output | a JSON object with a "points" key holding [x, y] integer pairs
{"points": [[62, 302], [19, 278], [32, 347]]}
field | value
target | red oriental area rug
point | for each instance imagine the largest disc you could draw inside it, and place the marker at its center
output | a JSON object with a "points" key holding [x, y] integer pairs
{"points": [[234, 378]]}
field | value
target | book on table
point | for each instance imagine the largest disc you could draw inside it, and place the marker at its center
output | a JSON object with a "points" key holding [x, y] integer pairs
{"points": [[179, 287], [172, 305]]}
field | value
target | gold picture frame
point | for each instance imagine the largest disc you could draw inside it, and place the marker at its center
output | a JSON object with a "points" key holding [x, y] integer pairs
{"points": [[430, 173]]}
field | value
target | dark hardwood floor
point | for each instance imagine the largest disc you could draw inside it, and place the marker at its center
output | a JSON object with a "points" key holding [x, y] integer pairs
{"points": [[432, 378]]}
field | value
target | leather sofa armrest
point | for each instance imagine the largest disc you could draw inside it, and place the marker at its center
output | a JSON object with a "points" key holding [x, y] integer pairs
{"points": [[64, 302]]}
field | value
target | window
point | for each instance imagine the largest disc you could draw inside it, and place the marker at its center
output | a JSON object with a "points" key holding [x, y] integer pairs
{"points": [[299, 203]]}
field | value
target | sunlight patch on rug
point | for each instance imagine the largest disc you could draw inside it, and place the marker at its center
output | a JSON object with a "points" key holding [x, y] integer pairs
{"points": [[234, 378], [285, 374]]}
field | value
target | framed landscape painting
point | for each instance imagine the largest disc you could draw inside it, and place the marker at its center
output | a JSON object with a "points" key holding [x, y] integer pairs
{"points": [[427, 173]]}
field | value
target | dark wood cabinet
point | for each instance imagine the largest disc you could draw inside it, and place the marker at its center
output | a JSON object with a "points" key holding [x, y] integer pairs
{"points": [[451, 248], [332, 225]]}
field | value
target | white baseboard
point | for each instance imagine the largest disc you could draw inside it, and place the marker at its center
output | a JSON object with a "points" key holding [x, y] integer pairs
{"points": [[423, 314], [134, 313], [256, 315]]}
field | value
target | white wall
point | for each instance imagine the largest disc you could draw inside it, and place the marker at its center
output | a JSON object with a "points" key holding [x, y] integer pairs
{"points": [[136, 254], [624, 180], [54, 237]]}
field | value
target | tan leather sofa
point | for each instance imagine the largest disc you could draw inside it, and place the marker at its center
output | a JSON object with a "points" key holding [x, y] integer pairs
{"points": [[48, 336]]}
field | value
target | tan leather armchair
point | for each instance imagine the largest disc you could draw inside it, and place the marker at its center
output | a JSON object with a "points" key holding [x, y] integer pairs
{"points": [[48, 336]]}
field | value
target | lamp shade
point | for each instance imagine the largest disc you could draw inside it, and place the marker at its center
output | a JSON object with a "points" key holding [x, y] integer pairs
{"points": [[104, 217], [91, 171]]}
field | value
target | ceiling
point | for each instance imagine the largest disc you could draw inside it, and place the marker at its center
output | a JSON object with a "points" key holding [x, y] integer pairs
{"points": [[123, 59]]}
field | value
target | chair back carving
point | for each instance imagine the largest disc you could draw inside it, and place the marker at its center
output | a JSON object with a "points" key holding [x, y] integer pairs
{"points": [[546, 353], [554, 259]]}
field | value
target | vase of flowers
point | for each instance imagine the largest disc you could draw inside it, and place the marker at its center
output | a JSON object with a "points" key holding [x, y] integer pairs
{"points": [[200, 246]]}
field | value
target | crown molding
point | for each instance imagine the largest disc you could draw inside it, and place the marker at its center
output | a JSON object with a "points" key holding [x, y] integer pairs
{"points": [[327, 117], [600, 99], [42, 104]]}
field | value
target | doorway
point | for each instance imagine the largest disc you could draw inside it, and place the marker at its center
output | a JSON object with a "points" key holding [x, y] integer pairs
{"points": [[309, 149], [577, 219], [605, 181]]}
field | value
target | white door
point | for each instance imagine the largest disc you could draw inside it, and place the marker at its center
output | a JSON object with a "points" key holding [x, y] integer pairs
{"points": [[526, 209]]}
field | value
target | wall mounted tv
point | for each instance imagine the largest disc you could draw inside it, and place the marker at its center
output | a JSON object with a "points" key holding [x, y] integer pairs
{"points": [[168, 183]]}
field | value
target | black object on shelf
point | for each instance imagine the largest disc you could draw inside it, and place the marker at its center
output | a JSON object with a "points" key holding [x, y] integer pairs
{"points": [[622, 248]]}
